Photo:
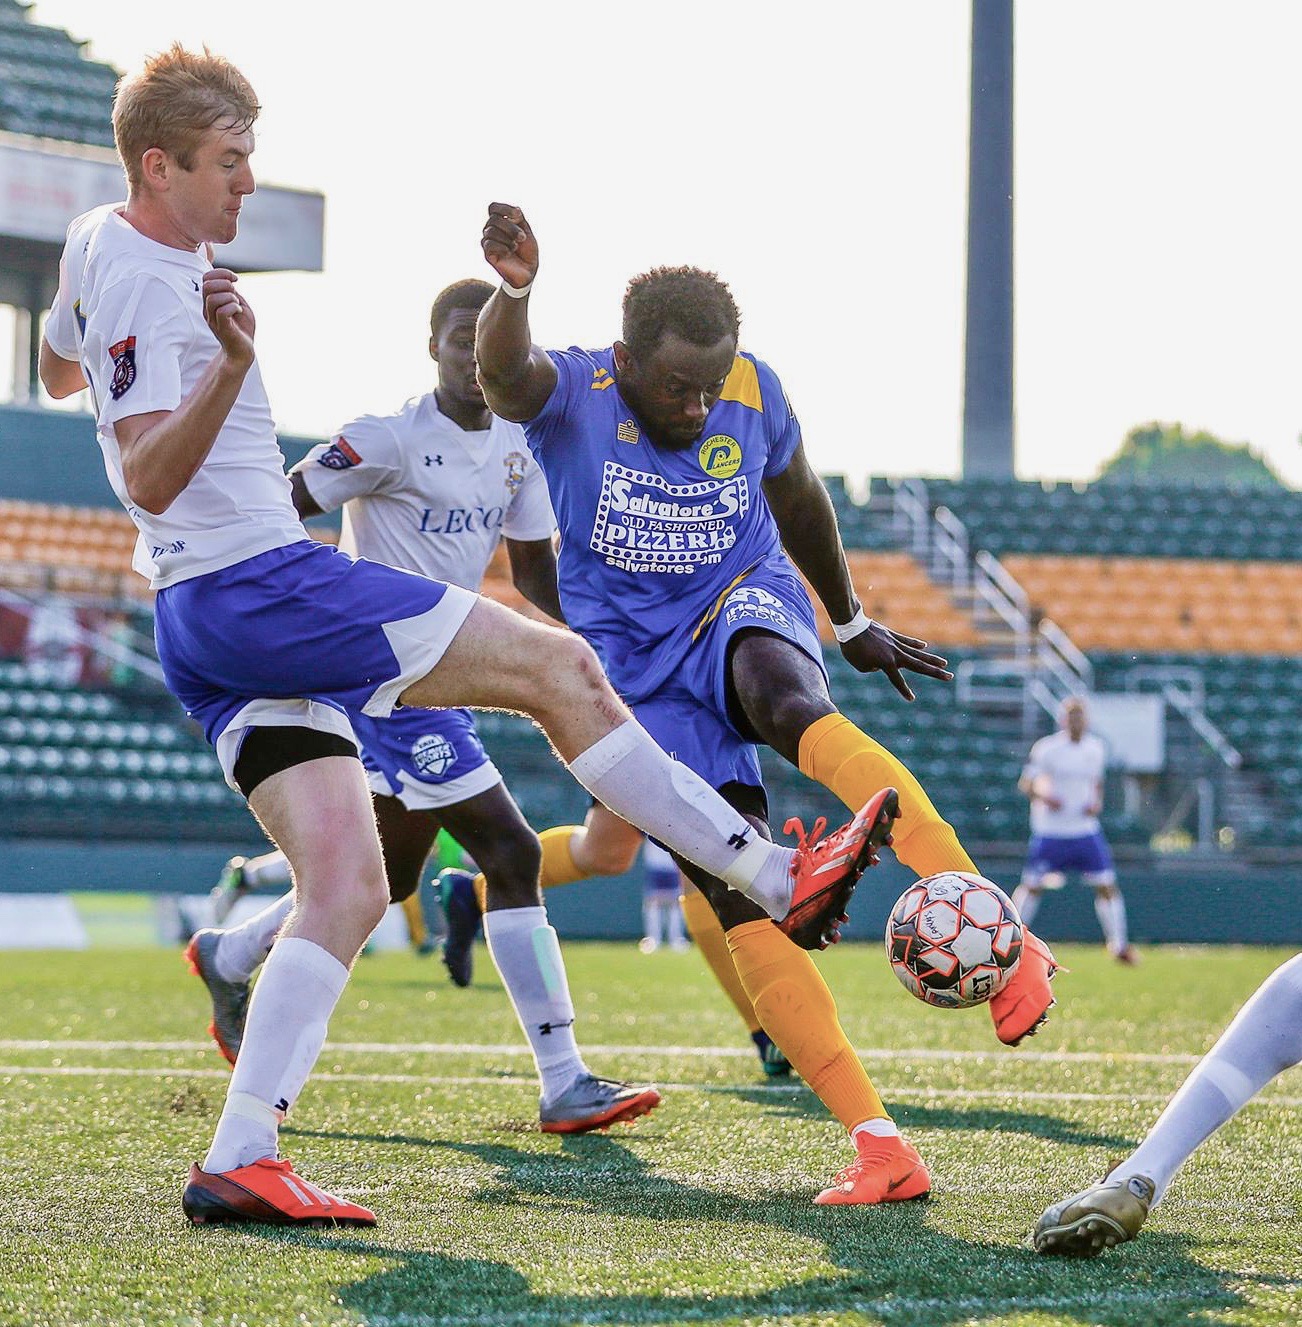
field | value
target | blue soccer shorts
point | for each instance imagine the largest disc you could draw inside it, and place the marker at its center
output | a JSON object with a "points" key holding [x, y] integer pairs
{"points": [[425, 758], [1049, 858], [300, 637], [694, 715]]}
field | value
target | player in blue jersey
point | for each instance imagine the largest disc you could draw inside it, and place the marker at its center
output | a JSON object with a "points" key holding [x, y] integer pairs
{"points": [[677, 473]]}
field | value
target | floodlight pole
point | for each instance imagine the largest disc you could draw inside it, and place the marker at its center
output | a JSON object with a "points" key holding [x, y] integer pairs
{"points": [[988, 347]]}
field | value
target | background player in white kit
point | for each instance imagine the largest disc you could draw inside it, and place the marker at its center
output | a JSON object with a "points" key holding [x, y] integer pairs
{"points": [[434, 488], [269, 639], [1064, 780]]}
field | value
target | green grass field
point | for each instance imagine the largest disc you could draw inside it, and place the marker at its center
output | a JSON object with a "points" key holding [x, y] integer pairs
{"points": [[424, 1108]]}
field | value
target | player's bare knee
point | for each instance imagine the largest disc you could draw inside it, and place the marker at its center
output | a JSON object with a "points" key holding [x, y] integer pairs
{"points": [[372, 903]]}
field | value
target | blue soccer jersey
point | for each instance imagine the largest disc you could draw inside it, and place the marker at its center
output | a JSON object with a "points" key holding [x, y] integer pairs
{"points": [[652, 539]]}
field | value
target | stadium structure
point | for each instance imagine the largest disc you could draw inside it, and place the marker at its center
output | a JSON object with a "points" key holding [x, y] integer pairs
{"points": [[1177, 608]]}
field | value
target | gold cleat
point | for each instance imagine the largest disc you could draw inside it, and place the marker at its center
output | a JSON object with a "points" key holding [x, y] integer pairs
{"points": [[1107, 1213]]}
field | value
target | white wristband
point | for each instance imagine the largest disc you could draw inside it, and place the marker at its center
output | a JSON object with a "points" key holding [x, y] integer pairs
{"points": [[515, 292], [856, 626]]}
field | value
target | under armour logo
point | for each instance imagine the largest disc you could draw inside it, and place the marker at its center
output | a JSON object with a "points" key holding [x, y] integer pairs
{"points": [[738, 841], [546, 1029], [433, 460]]}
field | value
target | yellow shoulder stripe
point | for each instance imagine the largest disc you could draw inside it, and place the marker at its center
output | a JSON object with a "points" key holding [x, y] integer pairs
{"points": [[742, 385]]}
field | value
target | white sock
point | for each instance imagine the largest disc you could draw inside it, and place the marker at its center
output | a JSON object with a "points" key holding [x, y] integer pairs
{"points": [[673, 916], [879, 1128], [286, 1029], [1027, 902], [1115, 927], [269, 871], [1264, 1040], [528, 956], [1103, 911], [241, 949], [651, 919], [629, 773]]}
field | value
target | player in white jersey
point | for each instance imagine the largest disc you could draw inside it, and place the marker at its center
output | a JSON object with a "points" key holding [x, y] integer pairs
{"points": [[270, 640], [1064, 780], [434, 488]]}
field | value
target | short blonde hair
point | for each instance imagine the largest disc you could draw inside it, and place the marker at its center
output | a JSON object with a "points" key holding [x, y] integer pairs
{"points": [[173, 101]]}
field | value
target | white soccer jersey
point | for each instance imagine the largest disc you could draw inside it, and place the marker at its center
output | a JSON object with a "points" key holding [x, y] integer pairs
{"points": [[421, 493], [1073, 772], [130, 309]]}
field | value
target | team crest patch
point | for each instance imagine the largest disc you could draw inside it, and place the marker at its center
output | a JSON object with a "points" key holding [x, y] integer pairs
{"points": [[433, 755], [123, 355], [515, 467], [720, 456], [339, 456]]}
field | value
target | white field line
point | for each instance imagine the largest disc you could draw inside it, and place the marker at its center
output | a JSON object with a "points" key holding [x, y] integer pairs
{"points": [[666, 1052], [446, 1080], [667, 1310]]}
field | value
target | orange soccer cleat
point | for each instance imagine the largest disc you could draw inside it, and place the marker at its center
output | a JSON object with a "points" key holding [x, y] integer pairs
{"points": [[887, 1170], [1023, 1005], [825, 871], [269, 1193]]}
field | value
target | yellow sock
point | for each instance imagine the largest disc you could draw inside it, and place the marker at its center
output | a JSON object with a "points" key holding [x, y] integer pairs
{"points": [[846, 760], [557, 865], [798, 1012], [703, 926], [415, 919]]}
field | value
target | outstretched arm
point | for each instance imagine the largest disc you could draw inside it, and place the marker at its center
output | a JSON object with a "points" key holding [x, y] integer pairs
{"points": [[516, 375], [806, 520]]}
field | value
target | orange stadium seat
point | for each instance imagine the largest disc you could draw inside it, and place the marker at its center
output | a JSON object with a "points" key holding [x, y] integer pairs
{"points": [[1167, 604]]}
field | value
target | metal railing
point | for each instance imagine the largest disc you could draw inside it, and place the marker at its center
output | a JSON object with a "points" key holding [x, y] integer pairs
{"points": [[951, 561], [1182, 688], [911, 516]]}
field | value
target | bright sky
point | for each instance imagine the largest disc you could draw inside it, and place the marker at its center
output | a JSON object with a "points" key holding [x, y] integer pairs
{"points": [[815, 154]]}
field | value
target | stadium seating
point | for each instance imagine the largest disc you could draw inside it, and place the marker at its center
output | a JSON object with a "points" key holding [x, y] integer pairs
{"points": [[73, 549], [107, 764], [1147, 604], [47, 87], [1256, 701], [1150, 521]]}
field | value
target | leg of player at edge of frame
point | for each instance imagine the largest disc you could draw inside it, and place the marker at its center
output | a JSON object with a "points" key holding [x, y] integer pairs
{"points": [[1264, 1039]]}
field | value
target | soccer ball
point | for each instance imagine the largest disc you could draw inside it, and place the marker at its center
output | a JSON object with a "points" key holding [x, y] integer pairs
{"points": [[954, 939]]}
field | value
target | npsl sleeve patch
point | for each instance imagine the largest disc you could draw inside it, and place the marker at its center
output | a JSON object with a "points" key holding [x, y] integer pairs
{"points": [[123, 355], [339, 456]]}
